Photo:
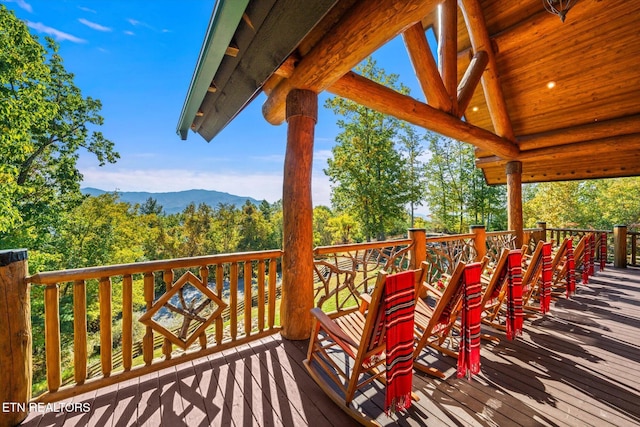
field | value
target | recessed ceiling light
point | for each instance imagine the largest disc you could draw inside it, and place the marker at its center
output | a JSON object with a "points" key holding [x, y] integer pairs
{"points": [[474, 109], [551, 85]]}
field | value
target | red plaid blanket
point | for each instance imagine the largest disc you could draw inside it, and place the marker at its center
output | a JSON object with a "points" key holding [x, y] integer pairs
{"points": [[592, 241], [469, 352], [603, 250], [571, 269], [545, 290], [514, 294], [399, 305]]}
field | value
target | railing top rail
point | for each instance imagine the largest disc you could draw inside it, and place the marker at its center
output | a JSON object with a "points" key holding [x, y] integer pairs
{"points": [[450, 238], [60, 276], [323, 250], [580, 230], [500, 233]]}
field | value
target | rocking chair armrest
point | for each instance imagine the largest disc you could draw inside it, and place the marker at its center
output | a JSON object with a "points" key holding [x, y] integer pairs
{"points": [[366, 301], [432, 289], [331, 327]]}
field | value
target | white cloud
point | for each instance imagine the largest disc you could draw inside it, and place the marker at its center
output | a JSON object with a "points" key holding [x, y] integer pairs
{"points": [[93, 25], [86, 9], [21, 4], [257, 185], [56, 34], [129, 33], [137, 23]]}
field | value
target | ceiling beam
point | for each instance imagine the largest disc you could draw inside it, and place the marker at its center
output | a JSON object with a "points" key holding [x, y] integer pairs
{"points": [[425, 67], [362, 30], [448, 49], [596, 130], [479, 36], [470, 80], [387, 101], [600, 150]]}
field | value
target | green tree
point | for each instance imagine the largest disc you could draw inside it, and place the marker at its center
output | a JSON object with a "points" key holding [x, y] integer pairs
{"points": [[322, 235], [196, 229], [366, 170], [24, 77], [39, 160], [102, 230], [254, 229], [415, 180], [596, 204], [225, 232], [457, 194]]}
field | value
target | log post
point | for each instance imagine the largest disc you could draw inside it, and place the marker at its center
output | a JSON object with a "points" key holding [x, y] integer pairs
{"points": [[15, 337], [479, 241], [297, 216], [620, 246], [542, 226], [514, 200], [419, 248]]}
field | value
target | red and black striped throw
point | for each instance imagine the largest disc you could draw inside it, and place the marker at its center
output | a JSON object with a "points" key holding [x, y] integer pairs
{"points": [[399, 306], [571, 269], [592, 240], [603, 250], [514, 294], [545, 290], [469, 352]]}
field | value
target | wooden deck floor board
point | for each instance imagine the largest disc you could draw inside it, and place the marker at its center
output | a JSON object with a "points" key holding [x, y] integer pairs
{"points": [[577, 366]]}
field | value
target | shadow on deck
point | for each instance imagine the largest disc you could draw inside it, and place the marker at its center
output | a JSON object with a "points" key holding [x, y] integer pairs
{"points": [[578, 366]]}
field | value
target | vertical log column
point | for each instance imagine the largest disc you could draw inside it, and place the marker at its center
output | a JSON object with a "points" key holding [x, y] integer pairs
{"points": [[15, 336], [479, 241], [514, 200], [620, 246], [297, 212]]}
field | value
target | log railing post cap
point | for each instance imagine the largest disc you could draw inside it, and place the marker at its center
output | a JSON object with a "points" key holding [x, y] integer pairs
{"points": [[620, 226], [476, 226], [9, 256], [418, 229]]}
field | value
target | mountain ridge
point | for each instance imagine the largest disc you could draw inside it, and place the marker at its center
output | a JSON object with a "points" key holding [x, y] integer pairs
{"points": [[176, 201]]}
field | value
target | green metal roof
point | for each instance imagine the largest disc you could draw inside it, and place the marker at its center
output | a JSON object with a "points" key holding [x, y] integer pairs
{"points": [[223, 24]]}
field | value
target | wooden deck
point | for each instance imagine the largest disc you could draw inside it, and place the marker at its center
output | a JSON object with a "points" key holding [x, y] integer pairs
{"points": [[578, 366]]}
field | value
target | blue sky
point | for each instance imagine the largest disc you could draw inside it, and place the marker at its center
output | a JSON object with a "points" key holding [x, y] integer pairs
{"points": [[138, 57]]}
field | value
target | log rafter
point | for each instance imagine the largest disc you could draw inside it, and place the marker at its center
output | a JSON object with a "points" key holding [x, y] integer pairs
{"points": [[470, 80], [479, 36], [425, 68], [448, 49], [385, 100], [353, 38]]}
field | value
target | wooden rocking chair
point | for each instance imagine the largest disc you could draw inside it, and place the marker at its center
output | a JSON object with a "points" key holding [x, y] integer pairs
{"points": [[502, 306], [495, 292], [437, 311], [358, 334]]}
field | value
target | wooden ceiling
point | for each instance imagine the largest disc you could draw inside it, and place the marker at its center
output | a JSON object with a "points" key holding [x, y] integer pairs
{"points": [[489, 84]]}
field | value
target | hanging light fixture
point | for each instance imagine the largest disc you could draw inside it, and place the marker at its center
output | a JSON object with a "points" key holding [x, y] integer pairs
{"points": [[558, 7]]}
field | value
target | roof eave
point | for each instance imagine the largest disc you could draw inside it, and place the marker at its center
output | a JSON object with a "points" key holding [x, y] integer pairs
{"points": [[225, 19]]}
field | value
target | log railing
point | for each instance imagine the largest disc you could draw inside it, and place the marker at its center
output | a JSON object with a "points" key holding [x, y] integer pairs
{"points": [[342, 272], [557, 235], [221, 301], [632, 247], [197, 306]]}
